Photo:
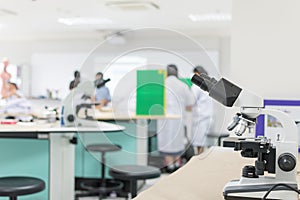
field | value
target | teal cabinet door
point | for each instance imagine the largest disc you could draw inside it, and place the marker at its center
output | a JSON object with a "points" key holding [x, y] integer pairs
{"points": [[25, 157]]}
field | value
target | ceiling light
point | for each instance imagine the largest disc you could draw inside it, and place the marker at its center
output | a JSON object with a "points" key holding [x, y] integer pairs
{"points": [[132, 5], [5, 12], [84, 21], [116, 38], [210, 17]]}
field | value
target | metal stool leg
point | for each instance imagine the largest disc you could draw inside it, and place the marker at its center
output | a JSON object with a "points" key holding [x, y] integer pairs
{"points": [[103, 170], [103, 183], [133, 188]]}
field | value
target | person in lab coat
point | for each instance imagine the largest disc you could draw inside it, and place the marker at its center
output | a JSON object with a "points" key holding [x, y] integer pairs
{"points": [[202, 114], [170, 132]]}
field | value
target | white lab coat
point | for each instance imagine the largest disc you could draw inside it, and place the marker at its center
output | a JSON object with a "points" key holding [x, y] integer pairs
{"points": [[170, 132], [202, 116]]}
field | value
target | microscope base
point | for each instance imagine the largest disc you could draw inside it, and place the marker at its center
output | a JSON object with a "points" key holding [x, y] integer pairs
{"points": [[244, 198], [234, 190]]}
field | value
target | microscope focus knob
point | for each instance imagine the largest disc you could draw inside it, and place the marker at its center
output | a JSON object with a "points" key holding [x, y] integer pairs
{"points": [[249, 171], [287, 162]]}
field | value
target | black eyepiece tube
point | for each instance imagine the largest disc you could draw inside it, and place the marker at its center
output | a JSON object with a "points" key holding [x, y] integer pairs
{"points": [[199, 81], [213, 81], [204, 82], [222, 91]]}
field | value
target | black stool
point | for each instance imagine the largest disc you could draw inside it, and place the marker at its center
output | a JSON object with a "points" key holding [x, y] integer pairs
{"points": [[132, 173], [13, 187], [104, 186]]}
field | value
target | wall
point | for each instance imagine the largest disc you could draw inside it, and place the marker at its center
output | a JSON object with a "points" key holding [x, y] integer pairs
{"points": [[265, 47], [54, 71]]}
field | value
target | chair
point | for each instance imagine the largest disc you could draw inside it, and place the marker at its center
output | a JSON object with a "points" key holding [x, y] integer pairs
{"points": [[132, 173], [104, 186], [13, 187]]}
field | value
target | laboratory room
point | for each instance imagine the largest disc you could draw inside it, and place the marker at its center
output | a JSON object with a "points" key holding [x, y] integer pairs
{"points": [[149, 99]]}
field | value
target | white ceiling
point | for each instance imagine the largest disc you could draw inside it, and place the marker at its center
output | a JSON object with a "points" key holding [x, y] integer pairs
{"points": [[37, 19]]}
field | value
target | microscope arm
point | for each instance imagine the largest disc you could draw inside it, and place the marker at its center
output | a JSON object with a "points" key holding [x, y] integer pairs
{"points": [[287, 123]]}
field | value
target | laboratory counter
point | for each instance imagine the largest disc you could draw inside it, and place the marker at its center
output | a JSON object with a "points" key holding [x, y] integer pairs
{"points": [[46, 151], [202, 178], [41, 129], [103, 114]]}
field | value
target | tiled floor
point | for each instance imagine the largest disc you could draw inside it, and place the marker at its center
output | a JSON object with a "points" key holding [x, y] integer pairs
{"points": [[148, 184]]}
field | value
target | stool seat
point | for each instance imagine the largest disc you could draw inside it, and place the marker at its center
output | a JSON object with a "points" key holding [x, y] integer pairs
{"points": [[17, 186], [131, 172], [103, 148]]}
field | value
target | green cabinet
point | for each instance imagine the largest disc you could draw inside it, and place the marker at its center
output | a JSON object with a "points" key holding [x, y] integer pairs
{"points": [[150, 98]]}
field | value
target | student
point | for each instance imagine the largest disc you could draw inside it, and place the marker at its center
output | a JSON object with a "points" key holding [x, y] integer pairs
{"points": [[102, 94], [170, 136], [202, 114], [74, 83]]}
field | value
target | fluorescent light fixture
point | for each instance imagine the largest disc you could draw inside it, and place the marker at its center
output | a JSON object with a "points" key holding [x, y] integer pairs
{"points": [[116, 39], [210, 17], [84, 21], [132, 5]]}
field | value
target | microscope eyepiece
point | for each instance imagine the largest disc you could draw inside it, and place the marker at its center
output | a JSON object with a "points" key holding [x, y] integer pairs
{"points": [[222, 91], [210, 80], [199, 81], [204, 82]]}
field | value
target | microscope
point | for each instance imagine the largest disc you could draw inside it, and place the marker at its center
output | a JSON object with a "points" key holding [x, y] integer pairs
{"points": [[274, 174], [76, 100]]}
